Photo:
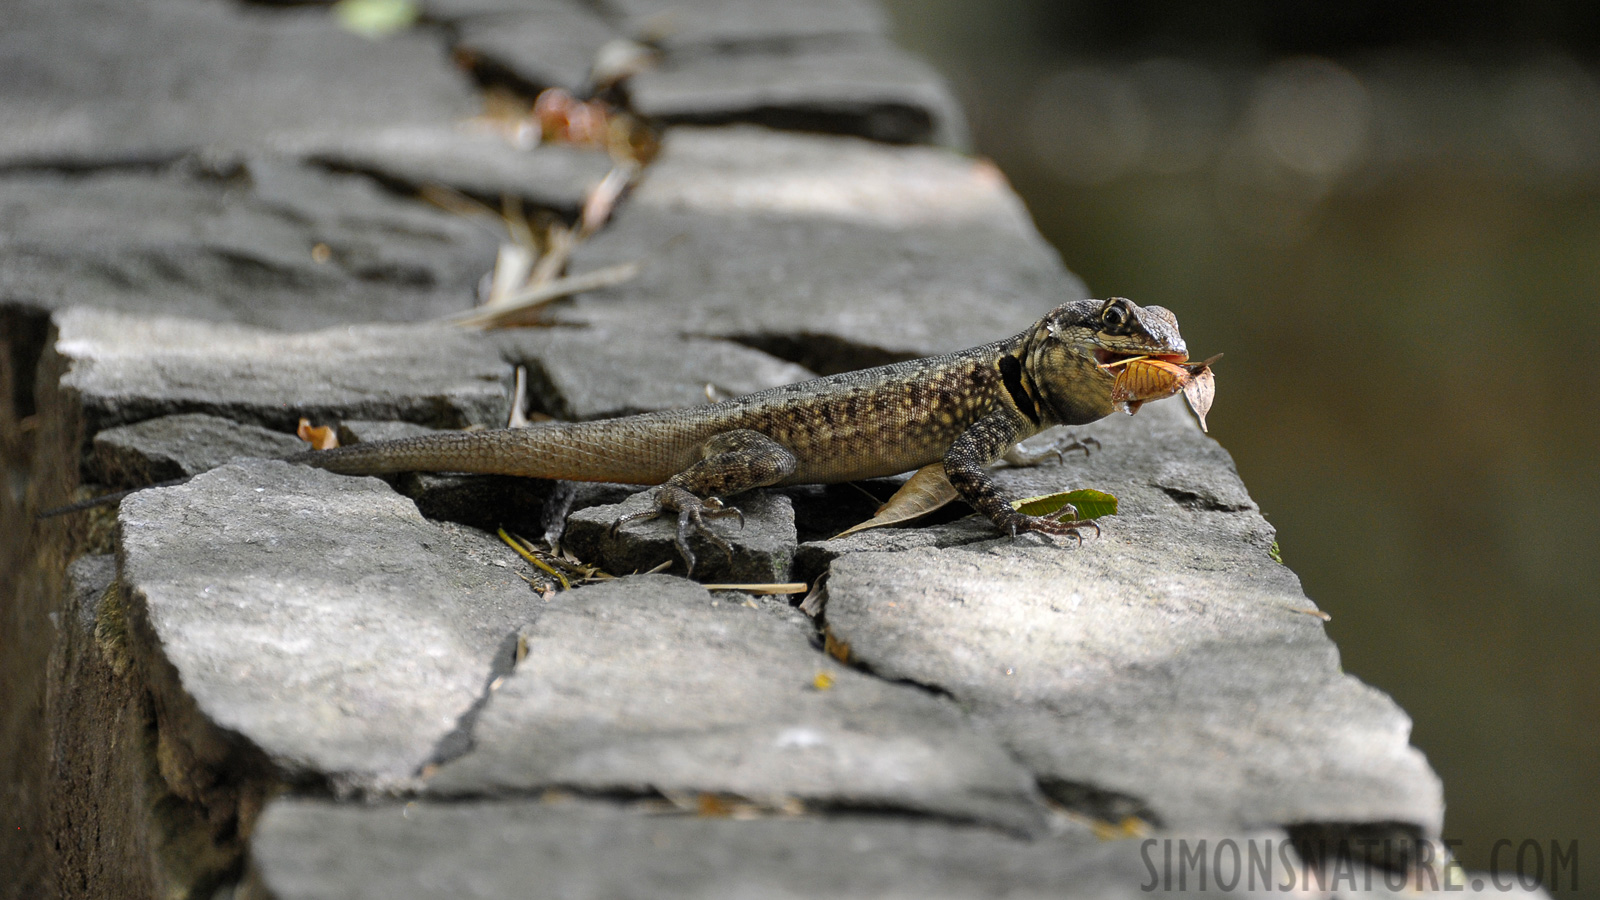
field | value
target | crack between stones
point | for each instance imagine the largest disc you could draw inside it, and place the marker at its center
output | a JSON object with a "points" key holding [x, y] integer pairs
{"points": [[1391, 846], [460, 740], [131, 163], [1191, 500], [711, 804], [1086, 799], [825, 354]]}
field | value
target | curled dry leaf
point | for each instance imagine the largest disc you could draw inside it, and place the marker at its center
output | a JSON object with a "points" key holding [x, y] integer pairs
{"points": [[925, 492], [1142, 379], [1200, 393], [601, 198], [1146, 378], [565, 119], [320, 438]]}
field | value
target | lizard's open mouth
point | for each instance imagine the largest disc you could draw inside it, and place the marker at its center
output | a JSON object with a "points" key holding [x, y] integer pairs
{"points": [[1108, 358]]}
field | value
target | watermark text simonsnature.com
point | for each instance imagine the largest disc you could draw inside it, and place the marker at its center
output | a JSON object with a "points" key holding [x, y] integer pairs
{"points": [[1267, 864]]}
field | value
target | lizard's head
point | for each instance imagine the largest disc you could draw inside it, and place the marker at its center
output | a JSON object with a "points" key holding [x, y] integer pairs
{"points": [[1066, 354]]}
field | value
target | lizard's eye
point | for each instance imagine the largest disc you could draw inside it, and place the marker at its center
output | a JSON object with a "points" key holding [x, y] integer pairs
{"points": [[1114, 316]]}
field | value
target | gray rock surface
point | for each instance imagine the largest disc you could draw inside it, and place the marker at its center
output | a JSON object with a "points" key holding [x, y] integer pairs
{"points": [[312, 849], [174, 446], [472, 161], [1170, 668], [237, 243], [866, 88], [125, 369], [90, 82], [762, 550], [833, 252], [356, 431], [582, 373], [680, 24], [200, 198], [544, 44], [343, 660], [650, 684]]}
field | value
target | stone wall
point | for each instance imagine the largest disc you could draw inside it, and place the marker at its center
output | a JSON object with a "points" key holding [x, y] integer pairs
{"points": [[274, 681]]}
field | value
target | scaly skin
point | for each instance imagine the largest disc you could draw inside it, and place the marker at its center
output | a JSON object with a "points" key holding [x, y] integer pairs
{"points": [[966, 409]]}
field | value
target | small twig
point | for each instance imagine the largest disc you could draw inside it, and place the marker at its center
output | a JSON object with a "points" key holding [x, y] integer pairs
{"points": [[518, 544], [780, 587], [538, 295], [519, 394]]}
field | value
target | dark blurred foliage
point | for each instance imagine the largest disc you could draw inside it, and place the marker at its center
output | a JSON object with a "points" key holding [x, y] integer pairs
{"points": [[1388, 217], [1311, 26]]}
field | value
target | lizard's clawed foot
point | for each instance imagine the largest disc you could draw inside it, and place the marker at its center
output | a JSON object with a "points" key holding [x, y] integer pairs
{"points": [[692, 519], [1061, 523], [692, 513], [1059, 449]]}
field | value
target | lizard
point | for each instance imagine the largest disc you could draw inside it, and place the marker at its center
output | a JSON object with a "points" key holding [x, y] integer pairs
{"points": [[965, 409]]}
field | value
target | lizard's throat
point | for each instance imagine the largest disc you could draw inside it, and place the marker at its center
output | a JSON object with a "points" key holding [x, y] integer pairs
{"points": [[1073, 389]]}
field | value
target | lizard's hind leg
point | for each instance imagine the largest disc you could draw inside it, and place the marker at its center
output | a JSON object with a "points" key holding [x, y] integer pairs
{"points": [[731, 463]]}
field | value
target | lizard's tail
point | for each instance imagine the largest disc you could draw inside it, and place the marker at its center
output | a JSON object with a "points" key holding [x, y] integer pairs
{"points": [[626, 451]]}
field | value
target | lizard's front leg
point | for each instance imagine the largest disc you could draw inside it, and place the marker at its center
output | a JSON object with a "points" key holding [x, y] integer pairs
{"points": [[731, 463], [964, 464]]}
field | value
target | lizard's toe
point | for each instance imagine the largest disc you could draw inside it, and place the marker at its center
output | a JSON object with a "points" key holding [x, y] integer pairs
{"points": [[718, 511], [1053, 525], [692, 521], [687, 522], [635, 517]]}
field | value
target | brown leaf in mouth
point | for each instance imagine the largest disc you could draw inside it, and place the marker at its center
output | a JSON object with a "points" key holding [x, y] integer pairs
{"points": [[1141, 380]]}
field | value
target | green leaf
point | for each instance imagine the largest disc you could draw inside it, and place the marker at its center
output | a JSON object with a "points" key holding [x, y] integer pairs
{"points": [[376, 18], [1091, 504]]}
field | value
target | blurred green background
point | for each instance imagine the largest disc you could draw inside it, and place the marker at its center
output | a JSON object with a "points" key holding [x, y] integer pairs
{"points": [[1386, 216]]}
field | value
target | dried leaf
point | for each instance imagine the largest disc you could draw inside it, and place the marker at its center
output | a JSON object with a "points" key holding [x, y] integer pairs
{"points": [[835, 648], [822, 682], [926, 491], [566, 119], [818, 597], [602, 198], [320, 438], [1145, 379], [1199, 393], [1090, 504], [1142, 379]]}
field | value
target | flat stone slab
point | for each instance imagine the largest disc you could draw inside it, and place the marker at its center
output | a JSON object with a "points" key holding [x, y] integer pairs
{"points": [[679, 24], [320, 617], [226, 76], [474, 162], [1169, 669], [316, 849], [763, 548], [259, 242], [583, 373], [127, 368], [832, 252], [175, 446], [650, 684], [544, 44], [356, 431], [871, 89]]}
